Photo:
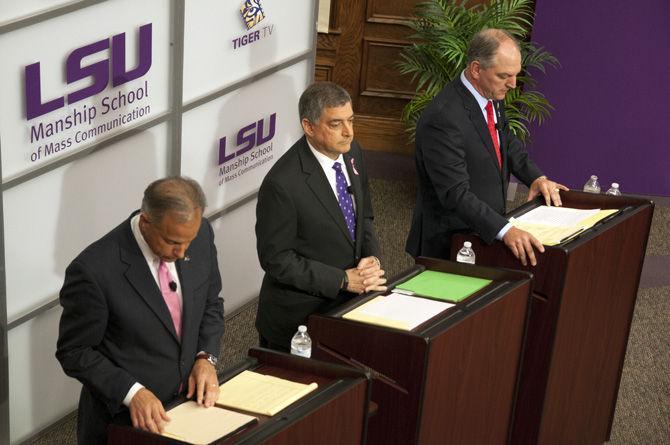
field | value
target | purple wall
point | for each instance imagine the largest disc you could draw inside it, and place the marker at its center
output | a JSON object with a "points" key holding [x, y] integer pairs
{"points": [[611, 93]]}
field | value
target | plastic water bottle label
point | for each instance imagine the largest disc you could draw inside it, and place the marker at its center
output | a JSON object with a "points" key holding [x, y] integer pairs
{"points": [[307, 352]]}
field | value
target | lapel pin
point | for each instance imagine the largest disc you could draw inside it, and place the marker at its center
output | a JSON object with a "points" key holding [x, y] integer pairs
{"points": [[353, 166]]}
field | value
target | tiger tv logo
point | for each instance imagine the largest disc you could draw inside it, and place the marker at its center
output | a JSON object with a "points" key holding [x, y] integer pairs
{"points": [[252, 13]]}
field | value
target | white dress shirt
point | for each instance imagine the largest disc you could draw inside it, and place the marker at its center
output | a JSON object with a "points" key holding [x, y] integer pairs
{"points": [[327, 165]]}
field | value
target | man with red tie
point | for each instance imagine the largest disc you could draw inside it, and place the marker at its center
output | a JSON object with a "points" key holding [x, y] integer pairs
{"points": [[142, 318], [465, 153]]}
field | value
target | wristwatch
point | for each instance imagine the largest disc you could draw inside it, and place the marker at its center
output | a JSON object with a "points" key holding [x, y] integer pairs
{"points": [[209, 357]]}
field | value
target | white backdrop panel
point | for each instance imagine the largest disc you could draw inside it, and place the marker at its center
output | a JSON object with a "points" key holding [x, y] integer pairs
{"points": [[219, 49], [50, 219], [11, 10], [235, 240], [39, 392], [245, 119], [66, 83]]}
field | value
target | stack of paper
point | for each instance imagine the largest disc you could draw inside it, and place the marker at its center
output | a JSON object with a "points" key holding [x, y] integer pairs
{"points": [[397, 311], [193, 423], [261, 394], [553, 225]]}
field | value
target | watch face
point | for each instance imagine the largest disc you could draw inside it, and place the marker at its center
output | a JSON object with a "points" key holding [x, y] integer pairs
{"points": [[209, 357]]}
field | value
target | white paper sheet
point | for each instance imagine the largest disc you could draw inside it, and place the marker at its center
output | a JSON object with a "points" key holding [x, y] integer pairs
{"points": [[556, 216], [398, 311]]}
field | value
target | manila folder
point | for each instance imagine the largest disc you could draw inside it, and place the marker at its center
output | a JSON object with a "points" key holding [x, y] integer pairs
{"points": [[260, 393], [193, 423]]}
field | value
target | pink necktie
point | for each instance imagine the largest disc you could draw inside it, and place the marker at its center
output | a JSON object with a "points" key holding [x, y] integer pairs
{"points": [[492, 130], [170, 296]]}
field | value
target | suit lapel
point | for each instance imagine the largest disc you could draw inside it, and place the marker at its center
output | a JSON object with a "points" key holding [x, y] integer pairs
{"points": [[502, 123], [356, 186], [140, 278], [479, 122], [185, 271], [318, 183]]}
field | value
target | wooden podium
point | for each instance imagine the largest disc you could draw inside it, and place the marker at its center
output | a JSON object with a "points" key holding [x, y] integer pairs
{"points": [[335, 414], [582, 305], [450, 380]]}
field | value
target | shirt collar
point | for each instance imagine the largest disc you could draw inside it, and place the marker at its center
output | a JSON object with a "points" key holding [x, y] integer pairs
{"points": [[149, 254], [325, 161], [481, 100]]}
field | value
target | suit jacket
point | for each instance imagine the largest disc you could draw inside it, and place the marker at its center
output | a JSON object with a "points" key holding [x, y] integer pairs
{"points": [[303, 242], [461, 187], [116, 329]]}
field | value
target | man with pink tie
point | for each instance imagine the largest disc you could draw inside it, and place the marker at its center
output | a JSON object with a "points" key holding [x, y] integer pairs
{"points": [[142, 318]]}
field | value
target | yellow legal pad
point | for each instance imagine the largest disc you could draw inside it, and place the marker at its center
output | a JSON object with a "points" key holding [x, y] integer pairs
{"points": [[261, 394], [550, 232], [195, 424]]}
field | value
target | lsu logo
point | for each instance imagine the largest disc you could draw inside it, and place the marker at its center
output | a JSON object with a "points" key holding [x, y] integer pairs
{"points": [[252, 13], [98, 73], [247, 138]]}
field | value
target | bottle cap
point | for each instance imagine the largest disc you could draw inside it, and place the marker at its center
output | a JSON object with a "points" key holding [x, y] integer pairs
{"points": [[594, 177], [615, 185], [467, 244], [302, 328]]}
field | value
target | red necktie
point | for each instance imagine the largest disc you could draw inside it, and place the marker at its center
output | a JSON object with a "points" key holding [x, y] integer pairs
{"points": [[170, 296], [492, 130]]}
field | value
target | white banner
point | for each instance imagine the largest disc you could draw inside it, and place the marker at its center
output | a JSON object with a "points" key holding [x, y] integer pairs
{"points": [[14, 10], [80, 78], [51, 218], [226, 41], [229, 144]]}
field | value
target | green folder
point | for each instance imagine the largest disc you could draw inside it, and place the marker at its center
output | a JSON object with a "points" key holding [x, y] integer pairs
{"points": [[443, 286]]}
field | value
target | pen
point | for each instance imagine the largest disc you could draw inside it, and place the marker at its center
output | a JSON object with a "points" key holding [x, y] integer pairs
{"points": [[571, 235]]}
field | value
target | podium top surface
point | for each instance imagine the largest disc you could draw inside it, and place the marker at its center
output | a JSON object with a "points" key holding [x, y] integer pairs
{"points": [[502, 281]]}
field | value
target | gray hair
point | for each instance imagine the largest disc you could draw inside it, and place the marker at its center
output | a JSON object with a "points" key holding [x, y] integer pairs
{"points": [[318, 96], [484, 45], [177, 194]]}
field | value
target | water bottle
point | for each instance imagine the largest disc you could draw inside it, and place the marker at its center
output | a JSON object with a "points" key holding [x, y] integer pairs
{"points": [[466, 254], [592, 185], [301, 344], [614, 190]]}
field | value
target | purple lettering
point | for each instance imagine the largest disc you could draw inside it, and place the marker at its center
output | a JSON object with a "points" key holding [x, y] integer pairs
{"points": [[249, 139], [98, 70], [33, 86], [222, 152], [260, 139], [119, 73]]}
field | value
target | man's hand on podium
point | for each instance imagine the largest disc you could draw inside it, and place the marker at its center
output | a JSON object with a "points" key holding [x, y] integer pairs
{"points": [[548, 189], [147, 412], [521, 244], [367, 276], [204, 383]]}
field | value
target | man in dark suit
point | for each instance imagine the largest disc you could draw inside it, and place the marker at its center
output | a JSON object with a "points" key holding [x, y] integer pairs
{"points": [[465, 152], [141, 307], [314, 231]]}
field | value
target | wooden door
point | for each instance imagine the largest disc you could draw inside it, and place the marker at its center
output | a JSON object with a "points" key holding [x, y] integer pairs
{"points": [[360, 52]]}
